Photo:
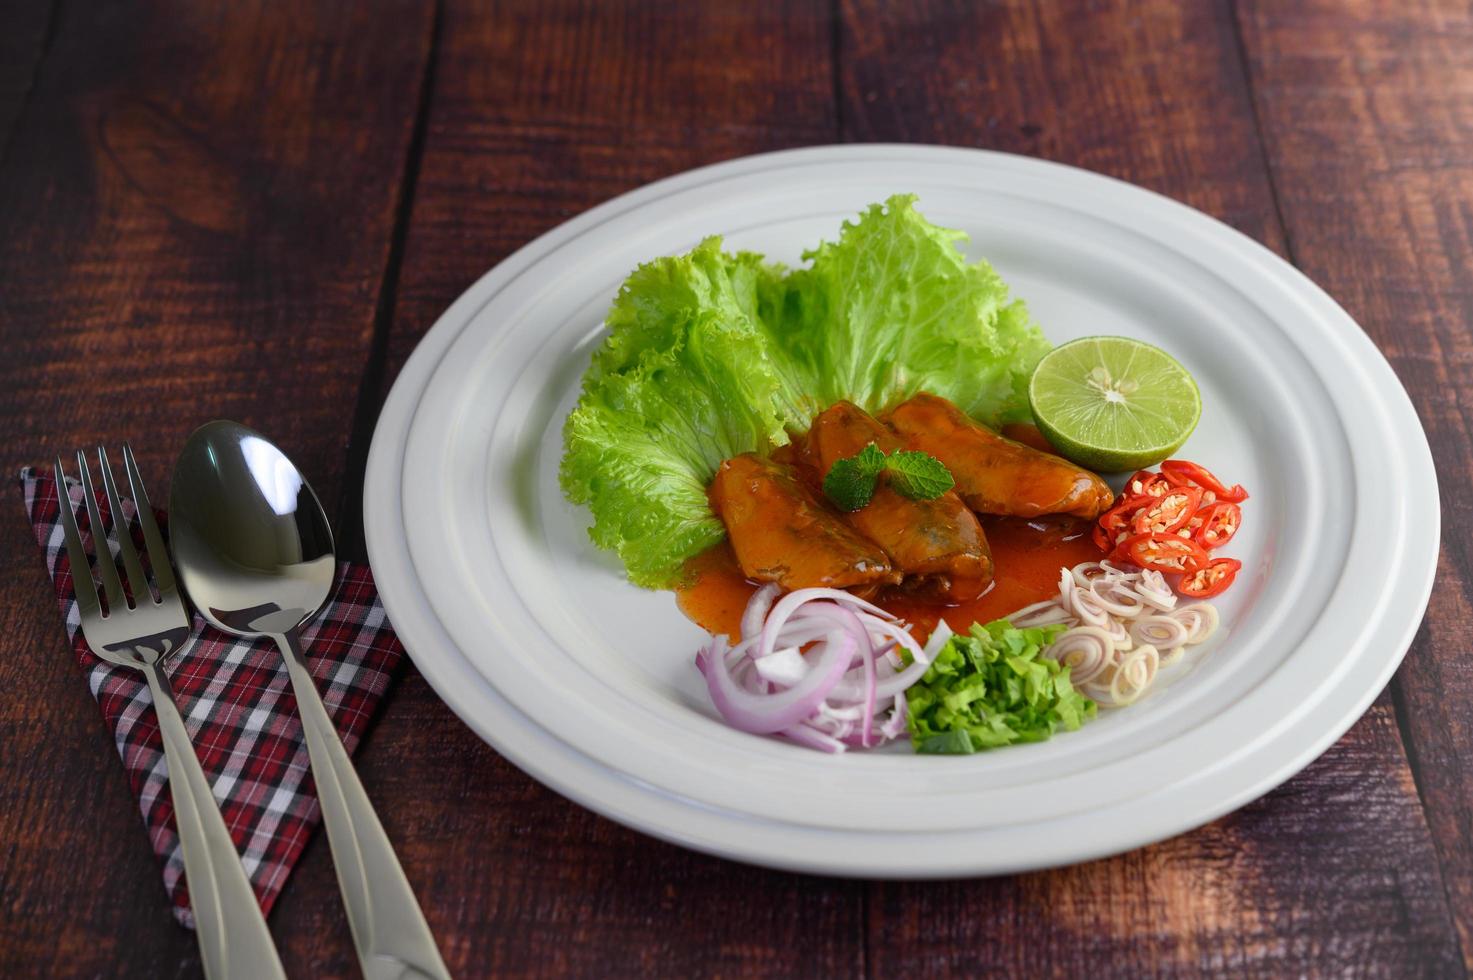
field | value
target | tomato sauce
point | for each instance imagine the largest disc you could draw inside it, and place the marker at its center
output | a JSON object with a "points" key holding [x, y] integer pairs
{"points": [[1027, 555]]}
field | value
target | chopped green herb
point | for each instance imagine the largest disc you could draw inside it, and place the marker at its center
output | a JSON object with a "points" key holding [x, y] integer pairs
{"points": [[991, 687]]}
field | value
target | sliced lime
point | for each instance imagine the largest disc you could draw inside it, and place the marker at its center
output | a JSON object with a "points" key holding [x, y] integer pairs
{"points": [[1112, 403]]}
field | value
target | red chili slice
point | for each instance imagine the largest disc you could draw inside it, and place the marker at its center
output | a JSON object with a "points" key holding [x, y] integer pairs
{"points": [[1168, 512], [1102, 539], [1163, 552], [1183, 473], [1144, 483], [1119, 517], [1211, 579], [1217, 523]]}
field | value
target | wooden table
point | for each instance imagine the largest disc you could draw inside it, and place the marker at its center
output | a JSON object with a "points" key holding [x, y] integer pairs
{"points": [[255, 209]]}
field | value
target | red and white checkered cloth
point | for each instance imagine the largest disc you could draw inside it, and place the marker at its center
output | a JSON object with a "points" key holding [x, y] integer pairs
{"points": [[237, 702]]}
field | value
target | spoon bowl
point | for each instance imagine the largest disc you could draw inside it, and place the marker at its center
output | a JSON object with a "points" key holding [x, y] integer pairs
{"points": [[251, 538]]}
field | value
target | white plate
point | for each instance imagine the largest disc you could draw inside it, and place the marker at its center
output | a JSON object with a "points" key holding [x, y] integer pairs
{"points": [[536, 640]]}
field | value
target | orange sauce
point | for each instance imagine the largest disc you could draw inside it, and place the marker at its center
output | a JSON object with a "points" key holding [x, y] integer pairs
{"points": [[1027, 556], [715, 591]]}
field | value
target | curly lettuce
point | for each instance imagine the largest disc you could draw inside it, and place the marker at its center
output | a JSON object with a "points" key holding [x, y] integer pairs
{"points": [[710, 354], [893, 308]]}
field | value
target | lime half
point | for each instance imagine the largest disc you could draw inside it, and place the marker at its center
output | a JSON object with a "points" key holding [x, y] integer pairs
{"points": [[1112, 403]]}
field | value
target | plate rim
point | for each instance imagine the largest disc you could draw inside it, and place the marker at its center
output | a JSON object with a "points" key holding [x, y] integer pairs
{"points": [[382, 491]]}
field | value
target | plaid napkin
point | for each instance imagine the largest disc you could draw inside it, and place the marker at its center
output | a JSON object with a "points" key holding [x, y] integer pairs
{"points": [[237, 702]]}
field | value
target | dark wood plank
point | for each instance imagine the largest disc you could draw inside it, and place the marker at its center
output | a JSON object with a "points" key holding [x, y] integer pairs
{"points": [[1150, 92], [194, 217], [1333, 873], [1291, 885], [1367, 110], [25, 29], [538, 113]]}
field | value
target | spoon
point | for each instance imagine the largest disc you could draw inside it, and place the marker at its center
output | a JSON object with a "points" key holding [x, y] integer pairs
{"points": [[255, 554]]}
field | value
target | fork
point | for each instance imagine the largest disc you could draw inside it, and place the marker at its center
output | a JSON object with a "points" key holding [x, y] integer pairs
{"points": [[234, 941]]}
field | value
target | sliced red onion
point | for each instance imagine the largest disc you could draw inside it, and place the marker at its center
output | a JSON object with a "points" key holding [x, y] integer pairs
{"points": [[757, 609], [896, 632], [847, 689], [763, 714], [889, 687], [813, 738], [939, 637], [895, 725], [785, 667]]}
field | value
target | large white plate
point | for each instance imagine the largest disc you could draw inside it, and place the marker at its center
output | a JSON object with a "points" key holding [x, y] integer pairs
{"points": [[535, 639]]}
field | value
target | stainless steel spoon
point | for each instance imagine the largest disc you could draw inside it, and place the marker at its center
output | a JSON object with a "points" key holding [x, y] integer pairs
{"points": [[255, 554]]}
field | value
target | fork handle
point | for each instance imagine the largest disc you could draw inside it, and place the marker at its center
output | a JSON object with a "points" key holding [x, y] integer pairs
{"points": [[389, 930], [234, 941]]}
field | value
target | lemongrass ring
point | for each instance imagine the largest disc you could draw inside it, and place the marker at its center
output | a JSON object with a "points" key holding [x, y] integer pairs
{"points": [[1154, 590], [1117, 598], [1200, 619], [1087, 572], [1046, 613], [1162, 632], [1087, 608], [1119, 634], [1085, 650], [1134, 675]]}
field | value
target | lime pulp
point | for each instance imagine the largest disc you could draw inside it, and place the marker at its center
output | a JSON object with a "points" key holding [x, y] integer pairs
{"points": [[1112, 403]]}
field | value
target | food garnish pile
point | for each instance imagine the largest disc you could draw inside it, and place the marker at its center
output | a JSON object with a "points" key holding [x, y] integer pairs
{"points": [[837, 428]]}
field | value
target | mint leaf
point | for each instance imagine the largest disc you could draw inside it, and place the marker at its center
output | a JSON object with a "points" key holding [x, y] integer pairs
{"points": [[918, 476], [851, 481]]}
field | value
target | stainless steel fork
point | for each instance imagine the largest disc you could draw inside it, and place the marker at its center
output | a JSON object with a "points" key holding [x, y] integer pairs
{"points": [[234, 941]]}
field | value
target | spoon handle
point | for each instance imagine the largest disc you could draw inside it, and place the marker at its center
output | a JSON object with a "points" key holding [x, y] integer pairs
{"points": [[389, 930], [234, 941]]}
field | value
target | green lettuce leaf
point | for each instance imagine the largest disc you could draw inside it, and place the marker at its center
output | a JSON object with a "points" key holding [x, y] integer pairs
{"points": [[681, 384], [893, 308], [991, 687], [711, 354]]}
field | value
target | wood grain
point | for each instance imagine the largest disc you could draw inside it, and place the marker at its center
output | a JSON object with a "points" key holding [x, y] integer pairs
{"points": [[194, 218], [1154, 93], [1367, 111], [538, 113], [25, 29]]}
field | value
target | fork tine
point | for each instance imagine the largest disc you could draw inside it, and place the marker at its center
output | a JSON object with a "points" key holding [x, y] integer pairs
{"points": [[111, 585], [158, 555], [137, 581], [82, 583]]}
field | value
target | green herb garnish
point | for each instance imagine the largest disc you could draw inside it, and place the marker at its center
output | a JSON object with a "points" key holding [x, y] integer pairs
{"points": [[991, 687], [919, 476], [851, 481]]}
